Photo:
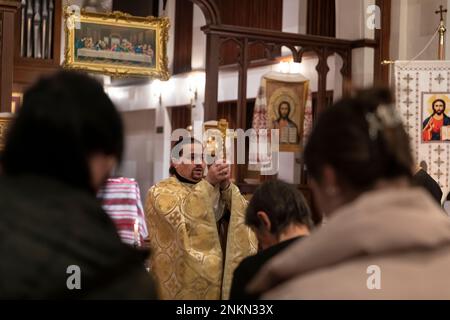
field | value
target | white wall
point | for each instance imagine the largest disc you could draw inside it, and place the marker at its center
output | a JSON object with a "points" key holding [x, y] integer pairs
{"points": [[138, 161], [413, 23], [351, 18], [198, 40]]}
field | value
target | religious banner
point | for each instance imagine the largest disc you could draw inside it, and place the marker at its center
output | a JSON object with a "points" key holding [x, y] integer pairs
{"points": [[423, 99], [284, 103]]}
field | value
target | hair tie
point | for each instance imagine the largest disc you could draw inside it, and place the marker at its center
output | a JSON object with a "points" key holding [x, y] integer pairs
{"points": [[384, 117]]}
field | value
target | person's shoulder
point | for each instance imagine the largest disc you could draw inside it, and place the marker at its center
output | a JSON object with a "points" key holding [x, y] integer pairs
{"points": [[169, 184], [170, 187]]}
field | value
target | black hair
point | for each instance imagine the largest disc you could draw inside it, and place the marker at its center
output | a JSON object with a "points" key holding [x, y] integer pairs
{"points": [[362, 139], [438, 100], [283, 204], [182, 141], [64, 119]]}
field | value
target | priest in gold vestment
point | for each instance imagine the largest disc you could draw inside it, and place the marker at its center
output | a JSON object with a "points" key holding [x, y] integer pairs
{"points": [[193, 255]]}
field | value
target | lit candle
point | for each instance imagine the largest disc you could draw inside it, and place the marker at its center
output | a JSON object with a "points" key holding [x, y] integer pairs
{"points": [[136, 233]]}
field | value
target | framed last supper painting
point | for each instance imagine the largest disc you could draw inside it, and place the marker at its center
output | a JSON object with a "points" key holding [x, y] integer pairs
{"points": [[116, 44]]}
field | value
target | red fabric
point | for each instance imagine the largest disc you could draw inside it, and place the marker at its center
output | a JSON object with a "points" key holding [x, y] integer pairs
{"points": [[435, 126], [121, 199]]}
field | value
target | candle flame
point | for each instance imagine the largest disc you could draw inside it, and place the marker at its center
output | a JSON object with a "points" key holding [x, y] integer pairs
{"points": [[136, 232]]}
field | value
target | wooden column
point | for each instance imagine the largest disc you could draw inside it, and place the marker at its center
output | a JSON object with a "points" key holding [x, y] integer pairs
{"points": [[322, 72], [8, 10], [382, 36], [184, 17], [141, 8], [321, 18], [242, 101], [346, 72], [211, 76], [242, 84]]}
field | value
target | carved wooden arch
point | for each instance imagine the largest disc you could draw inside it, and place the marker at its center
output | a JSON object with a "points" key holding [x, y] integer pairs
{"points": [[210, 11], [346, 71]]}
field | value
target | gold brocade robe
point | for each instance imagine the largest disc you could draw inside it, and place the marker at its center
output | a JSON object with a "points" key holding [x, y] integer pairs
{"points": [[187, 258]]}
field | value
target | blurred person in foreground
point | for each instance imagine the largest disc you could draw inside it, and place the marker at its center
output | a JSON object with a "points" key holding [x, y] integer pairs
{"points": [[279, 216], [384, 239], [62, 146]]}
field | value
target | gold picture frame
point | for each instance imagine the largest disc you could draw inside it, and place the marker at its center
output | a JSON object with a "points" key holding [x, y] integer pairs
{"points": [[5, 123], [116, 44]]}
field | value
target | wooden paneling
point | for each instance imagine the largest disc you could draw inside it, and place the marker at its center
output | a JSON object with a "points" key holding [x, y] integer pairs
{"points": [[180, 117], [314, 97], [141, 8], [184, 14], [263, 14], [322, 47], [321, 18], [228, 110], [383, 36], [8, 11]]}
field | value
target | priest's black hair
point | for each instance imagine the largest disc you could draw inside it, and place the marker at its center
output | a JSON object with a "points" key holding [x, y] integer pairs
{"points": [[363, 139], [64, 119], [283, 204]]}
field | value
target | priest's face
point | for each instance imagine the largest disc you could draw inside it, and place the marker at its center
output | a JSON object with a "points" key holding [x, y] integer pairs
{"points": [[192, 165]]}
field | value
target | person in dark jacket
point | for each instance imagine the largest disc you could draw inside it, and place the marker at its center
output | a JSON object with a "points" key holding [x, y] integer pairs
{"points": [[56, 242], [422, 179], [279, 216]]}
